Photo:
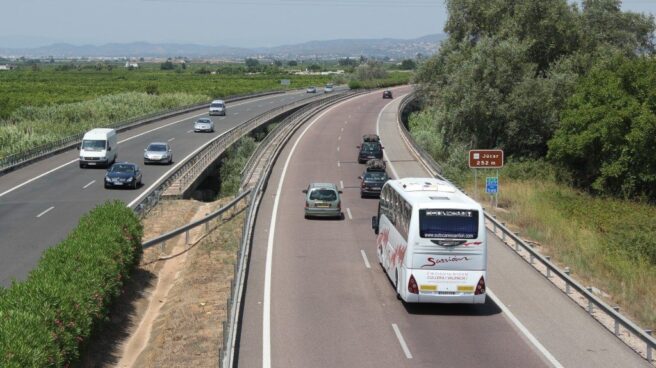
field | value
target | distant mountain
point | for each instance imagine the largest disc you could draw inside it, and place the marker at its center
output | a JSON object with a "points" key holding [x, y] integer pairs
{"points": [[387, 47]]}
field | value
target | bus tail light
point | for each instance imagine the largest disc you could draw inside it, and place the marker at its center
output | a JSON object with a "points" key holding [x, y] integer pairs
{"points": [[339, 205], [480, 288], [307, 204], [412, 285]]}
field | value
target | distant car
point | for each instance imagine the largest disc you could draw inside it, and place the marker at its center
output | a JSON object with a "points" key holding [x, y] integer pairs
{"points": [[204, 125], [387, 94], [372, 183], [322, 200], [369, 150], [328, 88], [123, 174], [312, 90], [158, 153], [370, 138], [217, 107]]}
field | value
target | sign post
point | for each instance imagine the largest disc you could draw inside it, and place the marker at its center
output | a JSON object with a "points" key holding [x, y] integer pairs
{"points": [[487, 159]]}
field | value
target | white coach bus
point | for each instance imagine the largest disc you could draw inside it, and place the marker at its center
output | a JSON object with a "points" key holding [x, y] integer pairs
{"points": [[431, 241]]}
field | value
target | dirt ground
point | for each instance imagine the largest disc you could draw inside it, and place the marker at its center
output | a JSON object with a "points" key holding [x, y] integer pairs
{"points": [[171, 312]]}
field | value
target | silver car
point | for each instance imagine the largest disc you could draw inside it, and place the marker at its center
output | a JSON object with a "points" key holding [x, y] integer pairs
{"points": [[158, 153], [204, 125], [323, 200]]}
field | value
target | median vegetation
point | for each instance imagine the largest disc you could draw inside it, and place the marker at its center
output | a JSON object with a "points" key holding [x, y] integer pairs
{"points": [[46, 319]]}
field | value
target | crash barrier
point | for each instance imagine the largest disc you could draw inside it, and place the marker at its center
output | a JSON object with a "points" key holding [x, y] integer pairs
{"points": [[188, 171], [284, 132], [620, 325], [15, 161]]}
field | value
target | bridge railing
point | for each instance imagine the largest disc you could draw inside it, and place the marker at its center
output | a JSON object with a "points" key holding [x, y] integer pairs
{"points": [[572, 287]]}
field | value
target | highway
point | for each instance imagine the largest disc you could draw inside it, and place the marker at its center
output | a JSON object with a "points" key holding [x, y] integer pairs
{"points": [[42, 202], [317, 297]]}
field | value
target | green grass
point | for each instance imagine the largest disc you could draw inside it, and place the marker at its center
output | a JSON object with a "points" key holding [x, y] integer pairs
{"points": [[49, 86], [608, 243]]}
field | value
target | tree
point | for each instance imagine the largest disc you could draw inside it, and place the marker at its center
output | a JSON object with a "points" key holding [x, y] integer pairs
{"points": [[167, 65], [608, 130], [408, 64], [314, 68], [347, 62], [277, 63], [292, 63], [252, 64]]}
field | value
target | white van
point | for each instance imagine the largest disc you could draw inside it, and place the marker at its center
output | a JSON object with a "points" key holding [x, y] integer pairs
{"points": [[217, 107], [99, 148]]}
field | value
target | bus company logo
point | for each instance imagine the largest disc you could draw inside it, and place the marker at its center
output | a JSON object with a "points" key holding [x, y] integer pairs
{"points": [[431, 262], [471, 244], [398, 254]]}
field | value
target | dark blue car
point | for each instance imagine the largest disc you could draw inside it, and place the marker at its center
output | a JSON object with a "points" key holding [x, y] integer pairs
{"points": [[123, 174]]}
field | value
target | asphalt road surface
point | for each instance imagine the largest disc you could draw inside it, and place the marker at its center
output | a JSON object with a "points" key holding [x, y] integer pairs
{"points": [[317, 297], [42, 202]]}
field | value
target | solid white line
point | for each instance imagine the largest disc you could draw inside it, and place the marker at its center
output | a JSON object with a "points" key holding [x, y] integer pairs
{"points": [[348, 210], [341, 183], [404, 346], [88, 185], [394, 174], [524, 330], [364, 257], [125, 140], [44, 212], [266, 313], [171, 140], [37, 177], [505, 309]]}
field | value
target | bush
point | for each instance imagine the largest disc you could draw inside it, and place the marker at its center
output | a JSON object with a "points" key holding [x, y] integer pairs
{"points": [[46, 319], [236, 159]]}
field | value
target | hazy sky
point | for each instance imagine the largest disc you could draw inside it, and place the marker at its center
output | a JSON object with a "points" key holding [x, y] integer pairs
{"points": [[242, 23]]}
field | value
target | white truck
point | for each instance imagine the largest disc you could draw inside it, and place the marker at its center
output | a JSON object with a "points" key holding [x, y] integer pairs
{"points": [[99, 148]]}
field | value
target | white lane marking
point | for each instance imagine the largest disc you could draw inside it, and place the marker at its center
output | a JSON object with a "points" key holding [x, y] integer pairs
{"points": [[171, 140], [44, 212], [337, 148], [364, 257], [378, 133], [37, 177], [345, 121], [342, 130], [339, 164], [223, 118], [266, 313], [404, 346], [341, 184], [524, 330], [339, 138], [125, 140], [348, 210], [496, 300], [190, 131], [236, 113], [166, 174], [88, 185]]}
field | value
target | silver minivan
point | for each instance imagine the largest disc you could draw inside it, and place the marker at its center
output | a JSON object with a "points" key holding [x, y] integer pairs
{"points": [[322, 200]]}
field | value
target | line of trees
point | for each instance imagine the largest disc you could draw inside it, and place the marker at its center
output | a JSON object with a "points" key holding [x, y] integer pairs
{"points": [[548, 79]]}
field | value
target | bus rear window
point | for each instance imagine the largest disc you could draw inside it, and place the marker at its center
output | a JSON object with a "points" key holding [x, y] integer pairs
{"points": [[448, 224]]}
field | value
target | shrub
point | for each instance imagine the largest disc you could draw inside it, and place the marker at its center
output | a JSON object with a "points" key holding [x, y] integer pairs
{"points": [[45, 319]]}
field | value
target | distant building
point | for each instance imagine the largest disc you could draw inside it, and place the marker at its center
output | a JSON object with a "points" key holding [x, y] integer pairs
{"points": [[6, 67], [129, 65]]}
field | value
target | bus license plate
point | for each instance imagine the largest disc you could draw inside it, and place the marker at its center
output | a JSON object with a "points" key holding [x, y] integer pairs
{"points": [[466, 288], [323, 205], [428, 288]]}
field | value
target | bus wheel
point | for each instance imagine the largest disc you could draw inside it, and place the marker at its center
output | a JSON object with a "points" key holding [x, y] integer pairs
{"points": [[398, 295]]}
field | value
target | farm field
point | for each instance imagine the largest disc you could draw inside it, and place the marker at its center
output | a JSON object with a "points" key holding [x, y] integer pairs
{"points": [[40, 105]]}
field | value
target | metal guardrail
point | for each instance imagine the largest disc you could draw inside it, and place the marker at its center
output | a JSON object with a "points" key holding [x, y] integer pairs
{"points": [[190, 171], [551, 269], [17, 160], [185, 229], [227, 352], [196, 164]]}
